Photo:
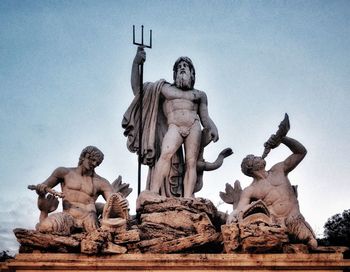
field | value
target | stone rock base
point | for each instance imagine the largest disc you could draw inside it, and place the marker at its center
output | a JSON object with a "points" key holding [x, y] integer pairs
{"points": [[163, 225], [97, 242], [254, 238], [178, 225], [176, 262]]}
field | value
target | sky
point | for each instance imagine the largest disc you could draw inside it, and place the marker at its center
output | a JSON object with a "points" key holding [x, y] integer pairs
{"points": [[65, 84]]}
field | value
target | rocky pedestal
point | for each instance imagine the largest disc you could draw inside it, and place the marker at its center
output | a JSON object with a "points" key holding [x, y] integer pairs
{"points": [[164, 225], [169, 225], [254, 238], [96, 242]]}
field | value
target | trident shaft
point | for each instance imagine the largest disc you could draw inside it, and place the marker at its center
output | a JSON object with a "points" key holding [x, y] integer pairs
{"points": [[141, 102]]}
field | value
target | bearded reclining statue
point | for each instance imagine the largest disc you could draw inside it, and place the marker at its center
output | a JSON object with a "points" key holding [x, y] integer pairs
{"points": [[271, 199]]}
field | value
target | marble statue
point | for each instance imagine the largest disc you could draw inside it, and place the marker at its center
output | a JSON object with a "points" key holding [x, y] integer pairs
{"points": [[173, 115], [81, 187], [273, 189]]}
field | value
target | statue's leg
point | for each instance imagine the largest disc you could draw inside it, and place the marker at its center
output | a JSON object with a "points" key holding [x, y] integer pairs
{"points": [[60, 222], [192, 146], [171, 143], [301, 231], [90, 222]]}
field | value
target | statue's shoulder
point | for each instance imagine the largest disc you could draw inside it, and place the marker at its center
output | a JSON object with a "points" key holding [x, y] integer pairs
{"points": [[164, 84], [100, 180], [201, 94], [156, 83], [62, 171], [156, 86]]}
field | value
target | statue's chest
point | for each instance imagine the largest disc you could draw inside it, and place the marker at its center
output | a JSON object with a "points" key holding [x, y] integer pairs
{"points": [[83, 184], [173, 93]]}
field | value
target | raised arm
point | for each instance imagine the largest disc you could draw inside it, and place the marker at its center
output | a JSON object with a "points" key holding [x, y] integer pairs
{"points": [[299, 152], [205, 119], [140, 58]]}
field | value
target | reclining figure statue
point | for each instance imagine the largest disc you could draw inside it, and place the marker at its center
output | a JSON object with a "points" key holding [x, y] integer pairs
{"points": [[81, 187], [272, 189]]}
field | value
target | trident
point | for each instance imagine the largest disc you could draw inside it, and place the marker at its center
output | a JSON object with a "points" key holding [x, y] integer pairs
{"points": [[141, 98]]}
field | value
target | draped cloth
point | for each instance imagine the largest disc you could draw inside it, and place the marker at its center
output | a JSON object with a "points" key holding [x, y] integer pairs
{"points": [[154, 126]]}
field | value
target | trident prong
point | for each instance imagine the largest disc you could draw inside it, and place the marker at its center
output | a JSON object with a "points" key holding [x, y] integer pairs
{"points": [[142, 42]]}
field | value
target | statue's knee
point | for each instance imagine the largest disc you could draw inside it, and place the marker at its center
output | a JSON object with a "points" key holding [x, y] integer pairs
{"points": [[191, 163], [166, 156], [46, 226], [57, 222], [90, 222]]}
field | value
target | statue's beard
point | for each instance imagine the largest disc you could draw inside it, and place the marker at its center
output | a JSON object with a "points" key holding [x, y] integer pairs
{"points": [[183, 81]]}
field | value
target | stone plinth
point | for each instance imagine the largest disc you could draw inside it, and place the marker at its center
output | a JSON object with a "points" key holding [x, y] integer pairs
{"points": [[177, 262]]}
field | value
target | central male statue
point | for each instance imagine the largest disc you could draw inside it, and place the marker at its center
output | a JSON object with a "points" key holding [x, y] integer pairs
{"points": [[172, 116]]}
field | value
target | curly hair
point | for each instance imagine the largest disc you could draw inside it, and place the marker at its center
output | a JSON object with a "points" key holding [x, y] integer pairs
{"points": [[252, 163], [190, 64], [94, 152]]}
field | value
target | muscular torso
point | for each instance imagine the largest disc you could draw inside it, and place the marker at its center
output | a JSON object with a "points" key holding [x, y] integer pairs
{"points": [[80, 194], [180, 107], [277, 192]]}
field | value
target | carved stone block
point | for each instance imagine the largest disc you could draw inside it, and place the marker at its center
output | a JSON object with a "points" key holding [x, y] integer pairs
{"points": [[230, 236], [262, 238]]}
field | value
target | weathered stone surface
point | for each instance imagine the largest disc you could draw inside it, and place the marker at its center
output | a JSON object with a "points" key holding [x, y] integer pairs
{"points": [[176, 224], [98, 241], [151, 231], [151, 204], [185, 243], [174, 219], [94, 241], [295, 248], [254, 238], [178, 262], [127, 237], [166, 225], [230, 236], [49, 242], [262, 238], [114, 249]]}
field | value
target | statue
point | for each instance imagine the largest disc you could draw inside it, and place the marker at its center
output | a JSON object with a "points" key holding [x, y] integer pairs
{"points": [[272, 189], [81, 187], [172, 117]]}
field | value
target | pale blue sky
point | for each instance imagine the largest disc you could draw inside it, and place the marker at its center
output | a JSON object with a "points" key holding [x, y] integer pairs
{"points": [[65, 84]]}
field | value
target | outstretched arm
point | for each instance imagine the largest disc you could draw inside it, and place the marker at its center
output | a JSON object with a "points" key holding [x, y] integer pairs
{"points": [[243, 202], [140, 58], [299, 152], [55, 178], [205, 119]]}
